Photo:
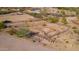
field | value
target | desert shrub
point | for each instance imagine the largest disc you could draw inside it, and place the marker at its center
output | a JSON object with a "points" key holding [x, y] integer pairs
{"points": [[63, 13], [11, 31], [7, 21], [76, 31], [2, 25], [34, 41], [74, 27], [21, 9], [53, 19], [31, 34], [4, 12], [36, 15], [44, 24], [25, 33], [64, 21], [67, 41], [22, 32]]}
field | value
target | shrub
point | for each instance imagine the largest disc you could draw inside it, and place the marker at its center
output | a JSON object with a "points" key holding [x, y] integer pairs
{"points": [[34, 41], [31, 34], [7, 21], [64, 21], [22, 32], [36, 15], [2, 25], [12, 31], [53, 19], [67, 41], [74, 27], [5, 12], [63, 12], [76, 31]]}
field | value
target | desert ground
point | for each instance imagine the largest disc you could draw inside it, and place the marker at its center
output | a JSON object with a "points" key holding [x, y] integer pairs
{"points": [[9, 43], [49, 37]]}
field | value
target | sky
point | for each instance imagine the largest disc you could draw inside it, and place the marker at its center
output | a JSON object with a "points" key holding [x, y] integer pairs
{"points": [[39, 3]]}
